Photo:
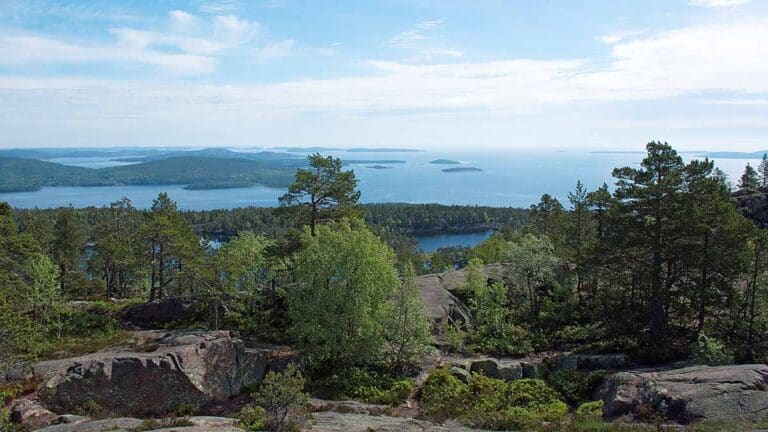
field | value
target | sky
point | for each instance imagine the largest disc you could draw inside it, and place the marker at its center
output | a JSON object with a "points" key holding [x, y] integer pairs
{"points": [[500, 75]]}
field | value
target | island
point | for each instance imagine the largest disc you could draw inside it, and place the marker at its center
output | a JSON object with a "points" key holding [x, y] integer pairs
{"points": [[461, 169], [444, 162], [378, 167]]}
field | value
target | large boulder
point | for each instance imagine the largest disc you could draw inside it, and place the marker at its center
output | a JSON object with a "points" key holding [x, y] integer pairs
{"points": [[690, 394], [182, 368]]}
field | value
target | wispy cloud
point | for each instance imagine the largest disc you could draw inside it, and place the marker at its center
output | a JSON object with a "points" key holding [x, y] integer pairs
{"points": [[188, 45], [718, 3], [421, 43]]}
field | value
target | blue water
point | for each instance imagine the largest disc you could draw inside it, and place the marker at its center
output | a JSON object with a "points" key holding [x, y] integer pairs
{"points": [[511, 179], [433, 242]]}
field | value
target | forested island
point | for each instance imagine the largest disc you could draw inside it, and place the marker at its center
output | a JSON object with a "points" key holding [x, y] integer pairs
{"points": [[444, 162], [636, 308], [461, 169]]}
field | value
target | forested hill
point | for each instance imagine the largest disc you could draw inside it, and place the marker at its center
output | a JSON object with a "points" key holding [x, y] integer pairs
{"points": [[199, 172]]}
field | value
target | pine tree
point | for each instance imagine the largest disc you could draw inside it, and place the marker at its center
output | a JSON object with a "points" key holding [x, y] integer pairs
{"points": [[68, 248], [749, 180], [320, 194], [763, 171]]}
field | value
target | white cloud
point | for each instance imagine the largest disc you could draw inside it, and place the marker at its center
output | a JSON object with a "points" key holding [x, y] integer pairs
{"points": [[616, 37], [188, 46], [718, 3], [700, 63], [422, 44], [275, 50]]}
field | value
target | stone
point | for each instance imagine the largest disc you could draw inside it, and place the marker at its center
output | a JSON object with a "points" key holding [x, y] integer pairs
{"points": [[691, 394], [120, 424], [125, 424], [30, 413], [592, 361], [187, 368], [493, 368], [462, 374]]}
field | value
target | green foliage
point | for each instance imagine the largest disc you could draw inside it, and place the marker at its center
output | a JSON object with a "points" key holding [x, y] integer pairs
{"points": [[363, 385], [253, 418], [590, 411], [710, 351], [282, 396], [574, 385], [491, 403], [455, 337], [406, 329], [345, 277], [6, 425]]}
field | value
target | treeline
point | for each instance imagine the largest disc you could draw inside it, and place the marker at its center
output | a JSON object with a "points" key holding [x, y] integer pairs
{"points": [[663, 267]]}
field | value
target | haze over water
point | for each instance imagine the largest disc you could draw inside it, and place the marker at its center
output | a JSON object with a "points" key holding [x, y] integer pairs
{"points": [[508, 179]]}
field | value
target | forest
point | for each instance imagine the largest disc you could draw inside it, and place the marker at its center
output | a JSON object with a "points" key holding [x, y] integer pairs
{"points": [[665, 266]]}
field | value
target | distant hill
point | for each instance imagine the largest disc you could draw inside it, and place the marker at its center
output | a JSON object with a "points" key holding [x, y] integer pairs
{"points": [[214, 153], [18, 174], [735, 155], [382, 150]]}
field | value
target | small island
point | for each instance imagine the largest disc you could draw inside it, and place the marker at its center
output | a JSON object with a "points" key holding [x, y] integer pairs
{"points": [[461, 169], [445, 162], [378, 167]]}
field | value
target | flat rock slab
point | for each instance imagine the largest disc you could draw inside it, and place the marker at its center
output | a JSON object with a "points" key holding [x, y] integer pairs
{"points": [[338, 422], [199, 424], [690, 394]]}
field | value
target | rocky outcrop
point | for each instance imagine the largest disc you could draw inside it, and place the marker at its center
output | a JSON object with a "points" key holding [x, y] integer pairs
{"points": [[592, 361], [442, 305], [690, 394], [183, 368], [31, 413]]}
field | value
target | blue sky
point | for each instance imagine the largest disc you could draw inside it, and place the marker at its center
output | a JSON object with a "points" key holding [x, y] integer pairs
{"points": [[481, 74]]}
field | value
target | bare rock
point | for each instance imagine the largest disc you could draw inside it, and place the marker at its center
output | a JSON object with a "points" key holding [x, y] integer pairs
{"points": [[691, 394], [341, 422], [184, 367], [30, 413]]}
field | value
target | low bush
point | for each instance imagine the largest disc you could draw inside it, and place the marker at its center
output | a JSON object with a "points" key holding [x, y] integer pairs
{"points": [[489, 403], [253, 418], [710, 351], [363, 385], [590, 411], [282, 397], [575, 386]]}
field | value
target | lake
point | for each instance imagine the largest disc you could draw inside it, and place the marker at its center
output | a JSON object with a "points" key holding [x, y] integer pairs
{"points": [[508, 179], [433, 242]]}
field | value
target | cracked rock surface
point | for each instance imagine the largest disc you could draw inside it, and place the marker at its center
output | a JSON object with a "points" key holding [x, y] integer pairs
{"points": [[692, 393]]}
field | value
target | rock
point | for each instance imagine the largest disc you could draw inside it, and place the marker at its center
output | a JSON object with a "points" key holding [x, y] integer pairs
{"points": [[462, 374], [30, 413], [442, 305], [592, 361], [692, 393], [114, 424], [353, 407], [158, 313], [197, 424], [493, 368], [186, 368], [340, 422]]}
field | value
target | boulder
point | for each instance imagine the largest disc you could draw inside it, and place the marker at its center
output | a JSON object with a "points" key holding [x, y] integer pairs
{"points": [[30, 413], [508, 370], [592, 361], [690, 394], [183, 368]]}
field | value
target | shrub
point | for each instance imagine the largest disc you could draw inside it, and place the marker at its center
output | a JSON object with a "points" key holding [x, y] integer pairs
{"points": [[284, 401], [253, 418], [590, 411], [710, 351], [8, 394], [363, 385], [575, 386], [489, 403], [5, 421], [442, 395], [455, 337]]}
